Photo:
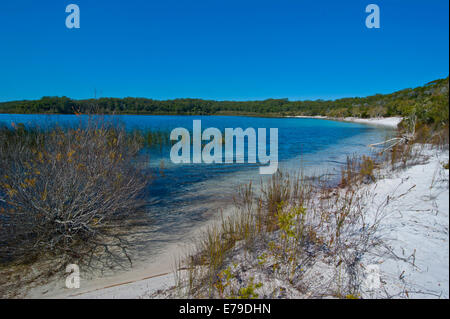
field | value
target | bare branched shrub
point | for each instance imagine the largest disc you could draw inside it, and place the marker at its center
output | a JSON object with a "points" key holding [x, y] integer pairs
{"points": [[65, 192]]}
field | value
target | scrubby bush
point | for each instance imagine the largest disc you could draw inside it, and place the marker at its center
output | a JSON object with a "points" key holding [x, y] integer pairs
{"points": [[280, 232], [65, 192], [367, 169]]}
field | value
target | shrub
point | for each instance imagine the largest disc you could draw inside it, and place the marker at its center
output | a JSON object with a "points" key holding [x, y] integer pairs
{"points": [[65, 192], [349, 172], [249, 292], [366, 169]]}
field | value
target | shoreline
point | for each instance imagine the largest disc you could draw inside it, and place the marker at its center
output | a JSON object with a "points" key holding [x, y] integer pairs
{"points": [[139, 272], [159, 275], [125, 284], [144, 276], [392, 121], [414, 228]]}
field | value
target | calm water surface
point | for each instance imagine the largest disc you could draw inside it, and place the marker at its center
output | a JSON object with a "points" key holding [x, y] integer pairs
{"points": [[185, 195]]}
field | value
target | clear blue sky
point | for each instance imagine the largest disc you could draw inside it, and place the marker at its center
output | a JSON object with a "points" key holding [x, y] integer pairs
{"points": [[220, 49]]}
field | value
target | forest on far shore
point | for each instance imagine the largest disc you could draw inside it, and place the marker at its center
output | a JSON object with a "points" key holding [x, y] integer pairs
{"points": [[429, 103]]}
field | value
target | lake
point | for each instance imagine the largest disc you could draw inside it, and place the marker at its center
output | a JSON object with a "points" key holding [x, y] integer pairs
{"points": [[183, 196]]}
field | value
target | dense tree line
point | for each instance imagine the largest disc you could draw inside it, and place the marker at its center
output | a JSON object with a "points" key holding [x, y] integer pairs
{"points": [[428, 102]]}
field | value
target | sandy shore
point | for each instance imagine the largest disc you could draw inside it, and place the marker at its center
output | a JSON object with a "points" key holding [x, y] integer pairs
{"points": [[416, 227], [144, 277], [124, 284], [382, 121]]}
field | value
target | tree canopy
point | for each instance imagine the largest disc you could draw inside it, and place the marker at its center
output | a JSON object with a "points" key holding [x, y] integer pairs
{"points": [[428, 102]]}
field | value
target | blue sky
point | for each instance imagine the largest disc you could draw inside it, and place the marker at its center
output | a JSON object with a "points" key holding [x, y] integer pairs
{"points": [[220, 49]]}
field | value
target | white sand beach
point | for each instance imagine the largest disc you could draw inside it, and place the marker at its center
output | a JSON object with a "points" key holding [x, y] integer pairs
{"points": [[415, 229], [383, 121]]}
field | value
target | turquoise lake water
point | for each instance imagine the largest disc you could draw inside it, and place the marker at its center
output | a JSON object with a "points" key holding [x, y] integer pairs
{"points": [[188, 194]]}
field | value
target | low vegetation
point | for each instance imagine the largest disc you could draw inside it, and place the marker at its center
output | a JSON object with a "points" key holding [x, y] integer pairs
{"points": [[279, 234], [69, 195], [301, 238], [65, 194]]}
